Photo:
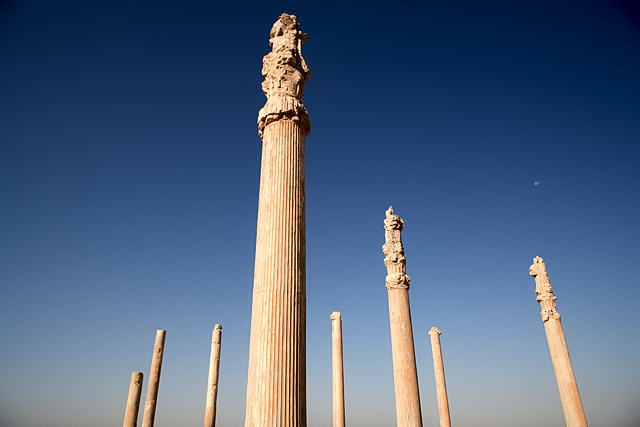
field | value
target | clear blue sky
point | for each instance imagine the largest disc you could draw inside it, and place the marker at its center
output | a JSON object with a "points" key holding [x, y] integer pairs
{"points": [[129, 170]]}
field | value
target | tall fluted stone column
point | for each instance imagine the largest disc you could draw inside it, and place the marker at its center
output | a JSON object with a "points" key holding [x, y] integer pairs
{"points": [[276, 389], [149, 416], [441, 385], [405, 374], [133, 400], [338, 372], [212, 383], [567, 385]]}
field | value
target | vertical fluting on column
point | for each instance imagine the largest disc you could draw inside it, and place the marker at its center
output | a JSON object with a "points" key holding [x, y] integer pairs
{"points": [[567, 385], [338, 372], [148, 418], [276, 388], [212, 382], [441, 385], [133, 400], [405, 374]]}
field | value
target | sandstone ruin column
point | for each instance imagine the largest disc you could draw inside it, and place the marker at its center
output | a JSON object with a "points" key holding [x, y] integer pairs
{"points": [[405, 374], [338, 373], [148, 418], [569, 394], [441, 385], [212, 383], [133, 401], [276, 389]]}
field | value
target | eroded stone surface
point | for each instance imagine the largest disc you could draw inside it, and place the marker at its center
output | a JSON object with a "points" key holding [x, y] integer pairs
{"points": [[393, 250], [149, 416], [276, 386], [133, 400], [212, 382], [441, 385], [565, 377], [405, 374], [545, 297], [285, 73], [338, 372]]}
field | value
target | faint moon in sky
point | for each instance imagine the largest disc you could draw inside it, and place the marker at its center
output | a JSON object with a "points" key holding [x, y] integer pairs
{"points": [[536, 183]]}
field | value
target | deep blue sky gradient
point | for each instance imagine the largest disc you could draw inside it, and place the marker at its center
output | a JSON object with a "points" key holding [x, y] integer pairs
{"points": [[129, 170]]}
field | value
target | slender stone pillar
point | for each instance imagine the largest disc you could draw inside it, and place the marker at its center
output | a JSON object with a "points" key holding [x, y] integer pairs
{"points": [[405, 374], [276, 389], [133, 401], [441, 385], [567, 385], [148, 418], [338, 372], [212, 383]]}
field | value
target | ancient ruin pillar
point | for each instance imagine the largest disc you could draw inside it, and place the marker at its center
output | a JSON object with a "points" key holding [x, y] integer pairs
{"points": [[276, 389], [133, 401], [212, 383], [148, 418], [441, 385], [405, 374], [569, 394], [338, 373]]}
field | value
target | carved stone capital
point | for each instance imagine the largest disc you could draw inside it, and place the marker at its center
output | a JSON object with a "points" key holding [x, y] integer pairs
{"points": [[434, 330], [544, 292], [397, 281], [335, 315], [546, 297], [393, 221], [394, 259], [538, 271], [550, 313], [285, 73]]}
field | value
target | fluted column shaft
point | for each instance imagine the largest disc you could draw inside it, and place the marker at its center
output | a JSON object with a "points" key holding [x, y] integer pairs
{"points": [[405, 374], [148, 418], [567, 384], [133, 400], [276, 388], [441, 385], [276, 391], [338, 372], [212, 383]]}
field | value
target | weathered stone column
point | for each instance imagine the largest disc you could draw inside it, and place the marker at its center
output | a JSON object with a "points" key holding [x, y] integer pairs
{"points": [[405, 374], [338, 372], [133, 400], [148, 418], [276, 389], [569, 394], [441, 385], [212, 383]]}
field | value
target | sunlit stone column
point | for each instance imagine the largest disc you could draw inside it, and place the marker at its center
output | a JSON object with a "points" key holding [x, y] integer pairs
{"points": [[567, 385], [338, 373], [133, 400], [212, 383], [148, 418], [405, 374], [441, 385], [276, 389]]}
